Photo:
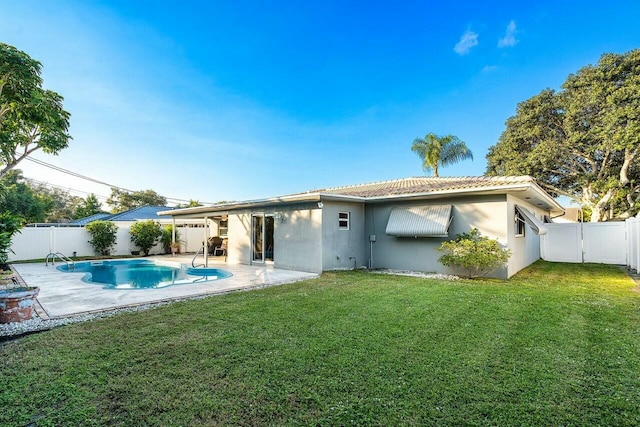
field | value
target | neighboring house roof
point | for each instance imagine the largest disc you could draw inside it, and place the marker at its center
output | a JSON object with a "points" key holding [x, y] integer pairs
{"points": [[135, 214], [402, 189], [139, 213], [87, 219]]}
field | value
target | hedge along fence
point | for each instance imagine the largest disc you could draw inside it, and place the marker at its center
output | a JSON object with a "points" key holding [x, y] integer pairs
{"points": [[38, 242]]}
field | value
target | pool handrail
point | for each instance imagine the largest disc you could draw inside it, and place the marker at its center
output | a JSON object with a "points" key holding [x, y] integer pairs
{"points": [[193, 261], [71, 265]]}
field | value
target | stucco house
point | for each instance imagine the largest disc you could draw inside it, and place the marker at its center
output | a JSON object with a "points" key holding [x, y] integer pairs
{"points": [[395, 224]]}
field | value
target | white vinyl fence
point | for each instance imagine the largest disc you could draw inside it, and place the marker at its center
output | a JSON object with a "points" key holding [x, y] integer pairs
{"points": [[633, 244], [38, 242], [602, 242]]}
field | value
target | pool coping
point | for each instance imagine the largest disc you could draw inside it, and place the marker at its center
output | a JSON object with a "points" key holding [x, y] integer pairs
{"points": [[296, 276]]}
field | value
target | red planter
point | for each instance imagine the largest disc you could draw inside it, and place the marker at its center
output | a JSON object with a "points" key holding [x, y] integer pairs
{"points": [[16, 305]]}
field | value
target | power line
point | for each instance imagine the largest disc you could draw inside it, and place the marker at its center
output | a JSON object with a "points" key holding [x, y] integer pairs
{"points": [[87, 178], [60, 187], [77, 175]]}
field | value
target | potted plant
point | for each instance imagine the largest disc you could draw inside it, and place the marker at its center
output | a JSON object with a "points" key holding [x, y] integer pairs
{"points": [[167, 238], [175, 247], [16, 299]]}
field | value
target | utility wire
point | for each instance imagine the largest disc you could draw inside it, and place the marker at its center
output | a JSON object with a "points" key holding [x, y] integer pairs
{"points": [[77, 175], [60, 187]]}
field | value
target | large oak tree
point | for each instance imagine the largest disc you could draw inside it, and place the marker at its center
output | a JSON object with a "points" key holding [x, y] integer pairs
{"points": [[582, 141]]}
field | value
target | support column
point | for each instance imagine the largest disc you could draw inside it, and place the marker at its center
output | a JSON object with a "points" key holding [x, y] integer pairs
{"points": [[173, 236], [206, 241]]}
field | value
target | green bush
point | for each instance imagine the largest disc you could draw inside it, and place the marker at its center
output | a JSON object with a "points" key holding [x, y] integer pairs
{"points": [[167, 238], [476, 255], [103, 236], [145, 234], [9, 226]]}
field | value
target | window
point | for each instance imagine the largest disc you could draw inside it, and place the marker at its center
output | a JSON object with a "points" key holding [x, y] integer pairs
{"points": [[343, 220], [519, 219], [223, 227]]}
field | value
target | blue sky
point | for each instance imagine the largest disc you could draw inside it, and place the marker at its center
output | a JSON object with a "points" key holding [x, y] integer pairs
{"points": [[242, 100]]}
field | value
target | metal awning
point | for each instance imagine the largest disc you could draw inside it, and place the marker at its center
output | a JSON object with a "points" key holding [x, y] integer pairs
{"points": [[536, 225], [420, 221]]}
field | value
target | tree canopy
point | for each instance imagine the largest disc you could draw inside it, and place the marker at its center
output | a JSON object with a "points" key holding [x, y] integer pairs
{"points": [[31, 117], [436, 151], [60, 204], [191, 204], [39, 203], [19, 198], [89, 206], [582, 141], [121, 201]]}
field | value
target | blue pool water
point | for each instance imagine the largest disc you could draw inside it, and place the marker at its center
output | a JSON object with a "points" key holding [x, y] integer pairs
{"points": [[142, 274]]}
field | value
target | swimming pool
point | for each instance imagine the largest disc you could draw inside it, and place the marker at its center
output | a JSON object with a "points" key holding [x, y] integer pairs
{"points": [[142, 273]]}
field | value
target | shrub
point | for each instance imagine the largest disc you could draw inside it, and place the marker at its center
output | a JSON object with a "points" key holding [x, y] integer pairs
{"points": [[145, 234], [476, 255], [9, 226], [103, 236], [166, 238]]}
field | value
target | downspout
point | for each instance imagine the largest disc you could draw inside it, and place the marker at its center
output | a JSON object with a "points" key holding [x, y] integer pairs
{"points": [[372, 238]]}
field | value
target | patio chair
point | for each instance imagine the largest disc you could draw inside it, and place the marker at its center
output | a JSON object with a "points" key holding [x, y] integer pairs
{"points": [[214, 243], [221, 250]]}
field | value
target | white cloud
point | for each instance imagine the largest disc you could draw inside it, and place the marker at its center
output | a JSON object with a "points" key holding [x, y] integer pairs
{"points": [[509, 38], [468, 40], [489, 68]]}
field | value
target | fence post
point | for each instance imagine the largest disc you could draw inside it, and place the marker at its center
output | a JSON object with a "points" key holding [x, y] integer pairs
{"points": [[631, 246], [636, 240], [52, 240]]}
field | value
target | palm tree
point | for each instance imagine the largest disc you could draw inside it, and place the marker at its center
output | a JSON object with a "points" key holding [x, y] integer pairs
{"points": [[438, 151]]}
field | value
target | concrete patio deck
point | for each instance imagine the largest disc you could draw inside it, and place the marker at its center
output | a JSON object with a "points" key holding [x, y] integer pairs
{"points": [[65, 294]]}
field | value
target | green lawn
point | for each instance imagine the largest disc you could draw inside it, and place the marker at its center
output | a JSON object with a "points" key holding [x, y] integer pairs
{"points": [[556, 345]]}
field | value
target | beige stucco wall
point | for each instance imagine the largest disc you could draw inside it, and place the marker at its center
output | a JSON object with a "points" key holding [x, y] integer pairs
{"points": [[525, 250], [486, 213], [297, 237], [239, 238], [343, 249]]}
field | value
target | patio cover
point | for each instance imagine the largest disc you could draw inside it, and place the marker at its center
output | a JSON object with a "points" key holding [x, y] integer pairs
{"points": [[536, 225], [420, 221]]}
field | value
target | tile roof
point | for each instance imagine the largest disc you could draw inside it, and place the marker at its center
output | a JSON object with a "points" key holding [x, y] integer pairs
{"points": [[139, 213], [424, 184], [87, 219], [392, 189], [142, 212]]}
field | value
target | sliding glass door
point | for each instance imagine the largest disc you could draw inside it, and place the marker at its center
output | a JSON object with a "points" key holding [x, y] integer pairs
{"points": [[262, 229]]}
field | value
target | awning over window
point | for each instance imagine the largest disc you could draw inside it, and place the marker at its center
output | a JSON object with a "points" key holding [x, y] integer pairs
{"points": [[536, 225], [420, 221]]}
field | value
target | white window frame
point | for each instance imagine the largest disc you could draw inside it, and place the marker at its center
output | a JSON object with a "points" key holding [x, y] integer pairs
{"points": [[346, 220], [223, 231], [520, 224]]}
